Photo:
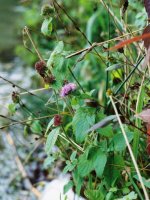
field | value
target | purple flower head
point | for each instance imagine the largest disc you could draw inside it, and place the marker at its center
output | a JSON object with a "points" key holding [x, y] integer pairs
{"points": [[67, 89]]}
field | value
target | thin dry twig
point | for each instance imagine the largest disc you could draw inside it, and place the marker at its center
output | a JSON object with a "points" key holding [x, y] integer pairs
{"points": [[130, 150], [21, 167]]}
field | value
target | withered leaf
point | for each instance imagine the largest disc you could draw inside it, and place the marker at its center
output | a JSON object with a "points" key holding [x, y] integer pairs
{"points": [[102, 123], [147, 46], [146, 40], [147, 7], [144, 115]]}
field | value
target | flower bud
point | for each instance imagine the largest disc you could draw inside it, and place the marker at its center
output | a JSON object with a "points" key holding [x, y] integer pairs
{"points": [[15, 97], [57, 120], [40, 68]]}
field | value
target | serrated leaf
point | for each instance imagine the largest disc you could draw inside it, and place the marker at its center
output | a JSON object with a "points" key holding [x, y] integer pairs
{"points": [[69, 167], [100, 163], [85, 167], [94, 194], [47, 27], [78, 181], [51, 139], [112, 173], [118, 142], [98, 158], [83, 119], [55, 55], [106, 131], [68, 186]]}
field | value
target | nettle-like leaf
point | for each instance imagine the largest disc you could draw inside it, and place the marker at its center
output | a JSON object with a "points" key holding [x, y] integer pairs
{"points": [[147, 7], [93, 159], [94, 194], [47, 27], [55, 56], [98, 159], [118, 142], [100, 163], [51, 139], [84, 118], [111, 172], [106, 131], [58, 65]]}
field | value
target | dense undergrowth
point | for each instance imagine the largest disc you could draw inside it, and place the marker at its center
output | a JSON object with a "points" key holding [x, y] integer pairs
{"points": [[93, 94]]}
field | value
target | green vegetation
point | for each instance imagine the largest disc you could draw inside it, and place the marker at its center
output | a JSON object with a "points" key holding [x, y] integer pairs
{"points": [[91, 95]]}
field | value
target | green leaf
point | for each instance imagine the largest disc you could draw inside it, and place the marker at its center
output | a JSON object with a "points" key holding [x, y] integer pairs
{"points": [[36, 127], [146, 182], [48, 161], [98, 159], [85, 167], [56, 56], [69, 167], [84, 118], [12, 108], [100, 163], [78, 181], [59, 48], [51, 139], [47, 27], [49, 125], [112, 172], [106, 131], [68, 186], [118, 142], [94, 194], [73, 156], [130, 196]]}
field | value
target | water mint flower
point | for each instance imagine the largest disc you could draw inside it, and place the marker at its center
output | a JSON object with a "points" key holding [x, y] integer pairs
{"points": [[67, 89]]}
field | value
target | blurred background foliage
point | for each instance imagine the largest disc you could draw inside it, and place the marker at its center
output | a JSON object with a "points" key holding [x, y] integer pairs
{"points": [[93, 20]]}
